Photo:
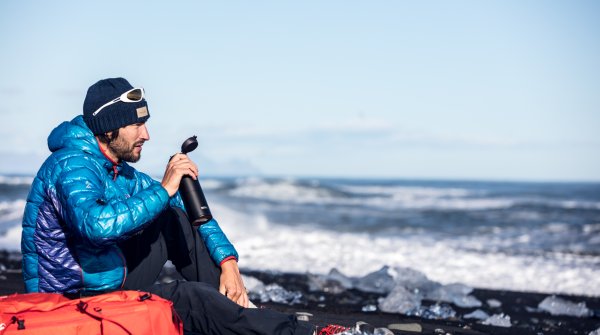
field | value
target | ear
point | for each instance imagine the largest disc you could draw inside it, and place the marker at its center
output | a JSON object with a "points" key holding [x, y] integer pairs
{"points": [[107, 137], [112, 135]]}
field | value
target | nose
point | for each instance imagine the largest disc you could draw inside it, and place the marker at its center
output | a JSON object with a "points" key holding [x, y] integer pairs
{"points": [[144, 133]]}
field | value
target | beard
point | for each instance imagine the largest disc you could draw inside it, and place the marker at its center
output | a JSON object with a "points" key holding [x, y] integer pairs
{"points": [[124, 151]]}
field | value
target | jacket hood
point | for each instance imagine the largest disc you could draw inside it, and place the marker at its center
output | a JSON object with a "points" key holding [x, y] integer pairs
{"points": [[73, 134]]}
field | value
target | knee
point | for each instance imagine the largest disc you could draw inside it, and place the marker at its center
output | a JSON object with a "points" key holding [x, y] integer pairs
{"points": [[197, 295]]}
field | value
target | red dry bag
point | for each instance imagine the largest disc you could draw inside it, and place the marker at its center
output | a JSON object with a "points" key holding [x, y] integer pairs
{"points": [[119, 312]]}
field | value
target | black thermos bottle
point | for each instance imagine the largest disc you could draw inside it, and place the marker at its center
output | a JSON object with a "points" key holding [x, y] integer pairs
{"points": [[191, 192]]}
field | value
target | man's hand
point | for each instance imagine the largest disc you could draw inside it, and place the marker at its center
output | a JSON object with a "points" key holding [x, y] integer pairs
{"points": [[232, 285], [179, 166]]}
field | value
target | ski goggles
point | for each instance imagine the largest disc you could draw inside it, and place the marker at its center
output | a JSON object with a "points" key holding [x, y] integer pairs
{"points": [[133, 95]]}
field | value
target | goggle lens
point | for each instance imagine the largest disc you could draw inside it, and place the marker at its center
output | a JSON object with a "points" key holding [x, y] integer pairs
{"points": [[135, 94]]}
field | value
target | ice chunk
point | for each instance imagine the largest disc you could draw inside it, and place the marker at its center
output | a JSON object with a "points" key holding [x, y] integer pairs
{"points": [[323, 283], [558, 306], [408, 302], [493, 303], [448, 292], [335, 282], [252, 284], [376, 282], [384, 280], [498, 320], [400, 300], [382, 331], [316, 282], [278, 294], [456, 294], [369, 308], [344, 280], [595, 332], [435, 312], [467, 301], [477, 314], [412, 279], [532, 310]]}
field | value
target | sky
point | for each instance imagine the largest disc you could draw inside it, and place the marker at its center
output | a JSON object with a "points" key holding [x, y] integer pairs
{"points": [[477, 90]]}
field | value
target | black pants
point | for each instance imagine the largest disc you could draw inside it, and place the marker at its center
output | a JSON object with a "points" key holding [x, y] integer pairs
{"points": [[197, 300]]}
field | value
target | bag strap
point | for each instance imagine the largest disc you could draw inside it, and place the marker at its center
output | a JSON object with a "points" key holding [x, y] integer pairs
{"points": [[20, 324], [84, 308]]}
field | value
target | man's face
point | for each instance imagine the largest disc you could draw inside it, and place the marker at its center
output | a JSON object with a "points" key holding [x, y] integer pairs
{"points": [[128, 145]]}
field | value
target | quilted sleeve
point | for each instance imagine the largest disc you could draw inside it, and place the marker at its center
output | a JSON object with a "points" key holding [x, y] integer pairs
{"points": [[216, 242], [100, 221]]}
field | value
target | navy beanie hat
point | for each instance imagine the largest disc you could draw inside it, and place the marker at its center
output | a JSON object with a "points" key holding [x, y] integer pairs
{"points": [[116, 115]]}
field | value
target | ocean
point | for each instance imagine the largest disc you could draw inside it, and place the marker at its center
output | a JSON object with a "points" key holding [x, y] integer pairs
{"points": [[521, 236]]}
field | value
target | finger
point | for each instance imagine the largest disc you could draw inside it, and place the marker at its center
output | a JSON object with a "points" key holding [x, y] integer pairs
{"points": [[179, 162], [234, 294], [184, 168], [184, 161], [243, 300], [244, 296], [223, 290], [194, 165], [175, 164], [190, 172], [177, 156], [194, 171]]}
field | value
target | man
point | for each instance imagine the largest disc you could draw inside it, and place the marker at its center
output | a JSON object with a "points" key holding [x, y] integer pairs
{"points": [[94, 224]]}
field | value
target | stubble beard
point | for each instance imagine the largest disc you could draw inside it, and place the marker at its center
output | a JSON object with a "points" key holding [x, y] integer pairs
{"points": [[124, 151]]}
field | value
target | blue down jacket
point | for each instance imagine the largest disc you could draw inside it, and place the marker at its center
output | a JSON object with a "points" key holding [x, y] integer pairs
{"points": [[80, 206]]}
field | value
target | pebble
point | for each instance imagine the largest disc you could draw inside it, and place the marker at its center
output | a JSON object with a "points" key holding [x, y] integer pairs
{"points": [[407, 327]]}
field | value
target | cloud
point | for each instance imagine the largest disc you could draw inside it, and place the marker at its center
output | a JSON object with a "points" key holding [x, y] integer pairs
{"points": [[11, 91], [358, 125], [347, 127], [457, 140], [362, 131], [207, 165]]}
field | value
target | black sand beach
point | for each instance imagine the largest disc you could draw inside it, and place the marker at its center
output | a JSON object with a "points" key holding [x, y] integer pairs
{"points": [[346, 308]]}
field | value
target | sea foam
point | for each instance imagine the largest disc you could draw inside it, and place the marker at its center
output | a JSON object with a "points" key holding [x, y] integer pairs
{"points": [[265, 245]]}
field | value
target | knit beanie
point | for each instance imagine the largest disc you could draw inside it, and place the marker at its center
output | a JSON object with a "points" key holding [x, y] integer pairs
{"points": [[116, 115]]}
